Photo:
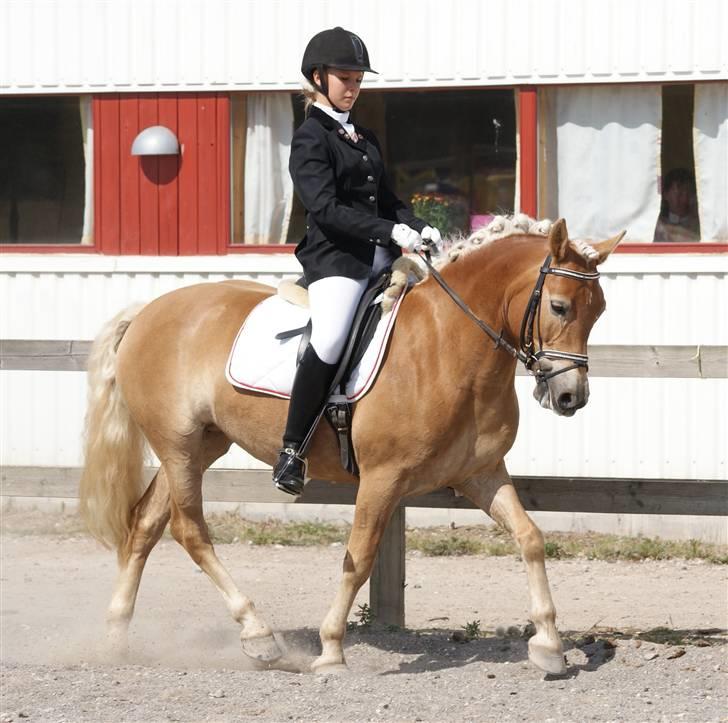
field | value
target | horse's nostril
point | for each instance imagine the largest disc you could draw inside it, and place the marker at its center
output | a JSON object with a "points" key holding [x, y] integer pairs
{"points": [[566, 400]]}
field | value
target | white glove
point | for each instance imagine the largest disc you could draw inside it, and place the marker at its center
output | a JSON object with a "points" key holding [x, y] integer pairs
{"points": [[431, 234], [406, 237]]}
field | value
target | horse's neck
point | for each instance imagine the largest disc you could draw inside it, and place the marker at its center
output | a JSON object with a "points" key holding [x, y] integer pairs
{"points": [[456, 351], [486, 279]]}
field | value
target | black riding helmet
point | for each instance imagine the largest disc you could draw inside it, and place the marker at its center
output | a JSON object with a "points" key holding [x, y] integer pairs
{"points": [[336, 48]]}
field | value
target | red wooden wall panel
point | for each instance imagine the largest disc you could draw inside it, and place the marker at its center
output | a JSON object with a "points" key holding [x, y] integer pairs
{"points": [[106, 173], [168, 185], [174, 205], [207, 164], [528, 125], [223, 164], [147, 171], [188, 175], [128, 176]]}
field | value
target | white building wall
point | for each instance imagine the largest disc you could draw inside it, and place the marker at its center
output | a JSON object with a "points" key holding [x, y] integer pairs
{"points": [[649, 428], [92, 46]]}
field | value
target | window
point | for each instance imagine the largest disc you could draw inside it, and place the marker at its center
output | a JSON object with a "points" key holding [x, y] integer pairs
{"points": [[42, 171], [642, 157], [451, 154], [678, 220]]}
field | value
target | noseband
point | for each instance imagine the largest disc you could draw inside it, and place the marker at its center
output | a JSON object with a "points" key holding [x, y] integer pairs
{"points": [[527, 351]]}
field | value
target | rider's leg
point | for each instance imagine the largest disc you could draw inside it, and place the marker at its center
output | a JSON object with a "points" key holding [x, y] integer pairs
{"points": [[333, 302]]}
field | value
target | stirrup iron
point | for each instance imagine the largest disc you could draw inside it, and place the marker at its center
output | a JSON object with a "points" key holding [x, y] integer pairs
{"points": [[289, 473]]}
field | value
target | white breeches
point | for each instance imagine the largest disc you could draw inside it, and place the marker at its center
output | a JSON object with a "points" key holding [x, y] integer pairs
{"points": [[333, 303]]}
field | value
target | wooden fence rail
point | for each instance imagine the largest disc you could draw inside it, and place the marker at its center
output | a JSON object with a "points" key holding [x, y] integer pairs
{"points": [[386, 591], [686, 361]]}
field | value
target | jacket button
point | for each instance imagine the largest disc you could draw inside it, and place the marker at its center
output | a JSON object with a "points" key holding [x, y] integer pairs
{"points": [[372, 198], [365, 158], [370, 178]]}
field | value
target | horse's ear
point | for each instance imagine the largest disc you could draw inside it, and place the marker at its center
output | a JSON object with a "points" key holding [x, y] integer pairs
{"points": [[558, 240], [604, 248]]}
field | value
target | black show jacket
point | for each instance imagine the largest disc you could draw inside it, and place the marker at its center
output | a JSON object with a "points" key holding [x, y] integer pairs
{"points": [[350, 207]]}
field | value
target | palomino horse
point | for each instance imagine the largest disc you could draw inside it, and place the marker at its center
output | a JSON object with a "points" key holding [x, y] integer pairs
{"points": [[442, 413]]}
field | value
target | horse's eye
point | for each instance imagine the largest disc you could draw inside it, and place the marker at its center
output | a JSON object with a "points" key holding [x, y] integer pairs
{"points": [[560, 308]]}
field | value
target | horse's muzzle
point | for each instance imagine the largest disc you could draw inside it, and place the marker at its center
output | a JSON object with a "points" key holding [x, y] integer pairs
{"points": [[565, 393]]}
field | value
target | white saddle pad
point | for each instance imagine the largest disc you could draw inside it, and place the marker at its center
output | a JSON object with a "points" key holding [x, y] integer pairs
{"points": [[261, 363]]}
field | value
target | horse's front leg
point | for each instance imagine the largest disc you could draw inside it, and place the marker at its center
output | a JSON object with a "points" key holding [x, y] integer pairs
{"points": [[374, 506], [497, 497]]}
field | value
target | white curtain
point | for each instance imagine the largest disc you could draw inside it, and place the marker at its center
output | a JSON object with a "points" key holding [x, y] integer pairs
{"points": [[607, 159], [710, 145], [87, 130], [268, 186]]}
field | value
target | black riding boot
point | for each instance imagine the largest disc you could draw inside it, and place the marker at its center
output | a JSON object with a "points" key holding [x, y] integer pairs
{"points": [[309, 394]]}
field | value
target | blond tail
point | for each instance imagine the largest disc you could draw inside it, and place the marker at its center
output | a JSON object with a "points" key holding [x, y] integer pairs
{"points": [[114, 444]]}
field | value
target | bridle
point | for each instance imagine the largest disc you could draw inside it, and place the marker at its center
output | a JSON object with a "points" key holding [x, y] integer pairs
{"points": [[527, 351]]}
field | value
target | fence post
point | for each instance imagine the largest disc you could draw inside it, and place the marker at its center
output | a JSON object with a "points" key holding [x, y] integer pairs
{"points": [[386, 585]]}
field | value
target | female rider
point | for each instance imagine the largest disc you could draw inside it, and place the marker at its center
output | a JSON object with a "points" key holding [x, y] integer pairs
{"points": [[352, 216]]}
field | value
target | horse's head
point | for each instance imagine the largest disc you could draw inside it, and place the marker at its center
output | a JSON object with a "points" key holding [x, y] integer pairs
{"points": [[563, 313]]}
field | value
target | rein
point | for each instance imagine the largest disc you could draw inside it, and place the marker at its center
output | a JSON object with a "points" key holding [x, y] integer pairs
{"points": [[526, 353]]}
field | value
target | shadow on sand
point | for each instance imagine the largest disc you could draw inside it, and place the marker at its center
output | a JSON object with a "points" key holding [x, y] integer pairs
{"points": [[429, 650]]}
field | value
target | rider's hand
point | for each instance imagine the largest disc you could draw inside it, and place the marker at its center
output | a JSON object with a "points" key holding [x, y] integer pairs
{"points": [[406, 237], [431, 234]]}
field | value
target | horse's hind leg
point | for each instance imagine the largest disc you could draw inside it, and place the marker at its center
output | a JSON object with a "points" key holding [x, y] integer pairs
{"points": [[371, 515], [188, 527], [498, 498], [149, 518]]}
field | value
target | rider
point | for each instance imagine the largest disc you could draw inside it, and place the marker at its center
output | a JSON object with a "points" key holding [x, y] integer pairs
{"points": [[352, 216]]}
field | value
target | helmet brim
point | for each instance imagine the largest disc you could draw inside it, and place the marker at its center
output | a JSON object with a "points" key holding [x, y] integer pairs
{"points": [[361, 69]]}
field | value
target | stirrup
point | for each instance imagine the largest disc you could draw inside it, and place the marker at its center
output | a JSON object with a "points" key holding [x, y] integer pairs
{"points": [[289, 472]]}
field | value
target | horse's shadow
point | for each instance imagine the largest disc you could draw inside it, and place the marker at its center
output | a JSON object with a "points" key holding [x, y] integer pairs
{"points": [[431, 650]]}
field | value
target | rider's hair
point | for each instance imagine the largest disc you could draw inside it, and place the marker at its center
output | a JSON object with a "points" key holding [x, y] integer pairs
{"points": [[308, 93]]}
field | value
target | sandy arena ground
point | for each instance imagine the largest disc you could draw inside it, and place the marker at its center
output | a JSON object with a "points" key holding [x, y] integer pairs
{"points": [[186, 665]]}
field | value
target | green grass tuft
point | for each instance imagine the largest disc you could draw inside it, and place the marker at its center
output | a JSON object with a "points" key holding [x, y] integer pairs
{"points": [[445, 546], [433, 542], [232, 528]]}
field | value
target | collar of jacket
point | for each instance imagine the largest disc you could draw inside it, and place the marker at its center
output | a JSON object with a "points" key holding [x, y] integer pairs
{"points": [[333, 125]]}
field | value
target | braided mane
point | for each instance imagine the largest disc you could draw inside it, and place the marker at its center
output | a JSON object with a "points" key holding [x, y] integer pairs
{"points": [[411, 268], [499, 227]]}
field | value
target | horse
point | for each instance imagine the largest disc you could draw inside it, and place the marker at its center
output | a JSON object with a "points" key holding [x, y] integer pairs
{"points": [[443, 413]]}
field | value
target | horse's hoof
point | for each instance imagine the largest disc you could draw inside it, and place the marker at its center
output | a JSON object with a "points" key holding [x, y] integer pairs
{"points": [[263, 649], [116, 653], [546, 657], [117, 646], [321, 667]]}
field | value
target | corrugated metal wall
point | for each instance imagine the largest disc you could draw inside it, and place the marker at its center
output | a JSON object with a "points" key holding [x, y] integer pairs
{"points": [[77, 46], [672, 428]]}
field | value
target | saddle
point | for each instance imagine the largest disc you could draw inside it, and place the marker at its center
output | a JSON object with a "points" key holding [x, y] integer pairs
{"points": [[338, 411]]}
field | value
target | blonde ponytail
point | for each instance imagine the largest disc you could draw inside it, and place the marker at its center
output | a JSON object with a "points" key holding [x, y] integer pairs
{"points": [[309, 96]]}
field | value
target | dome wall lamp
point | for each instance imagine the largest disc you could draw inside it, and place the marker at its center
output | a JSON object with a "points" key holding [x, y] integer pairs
{"points": [[155, 141]]}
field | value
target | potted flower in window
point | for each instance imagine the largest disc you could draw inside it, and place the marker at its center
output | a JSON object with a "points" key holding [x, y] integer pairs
{"points": [[447, 213]]}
